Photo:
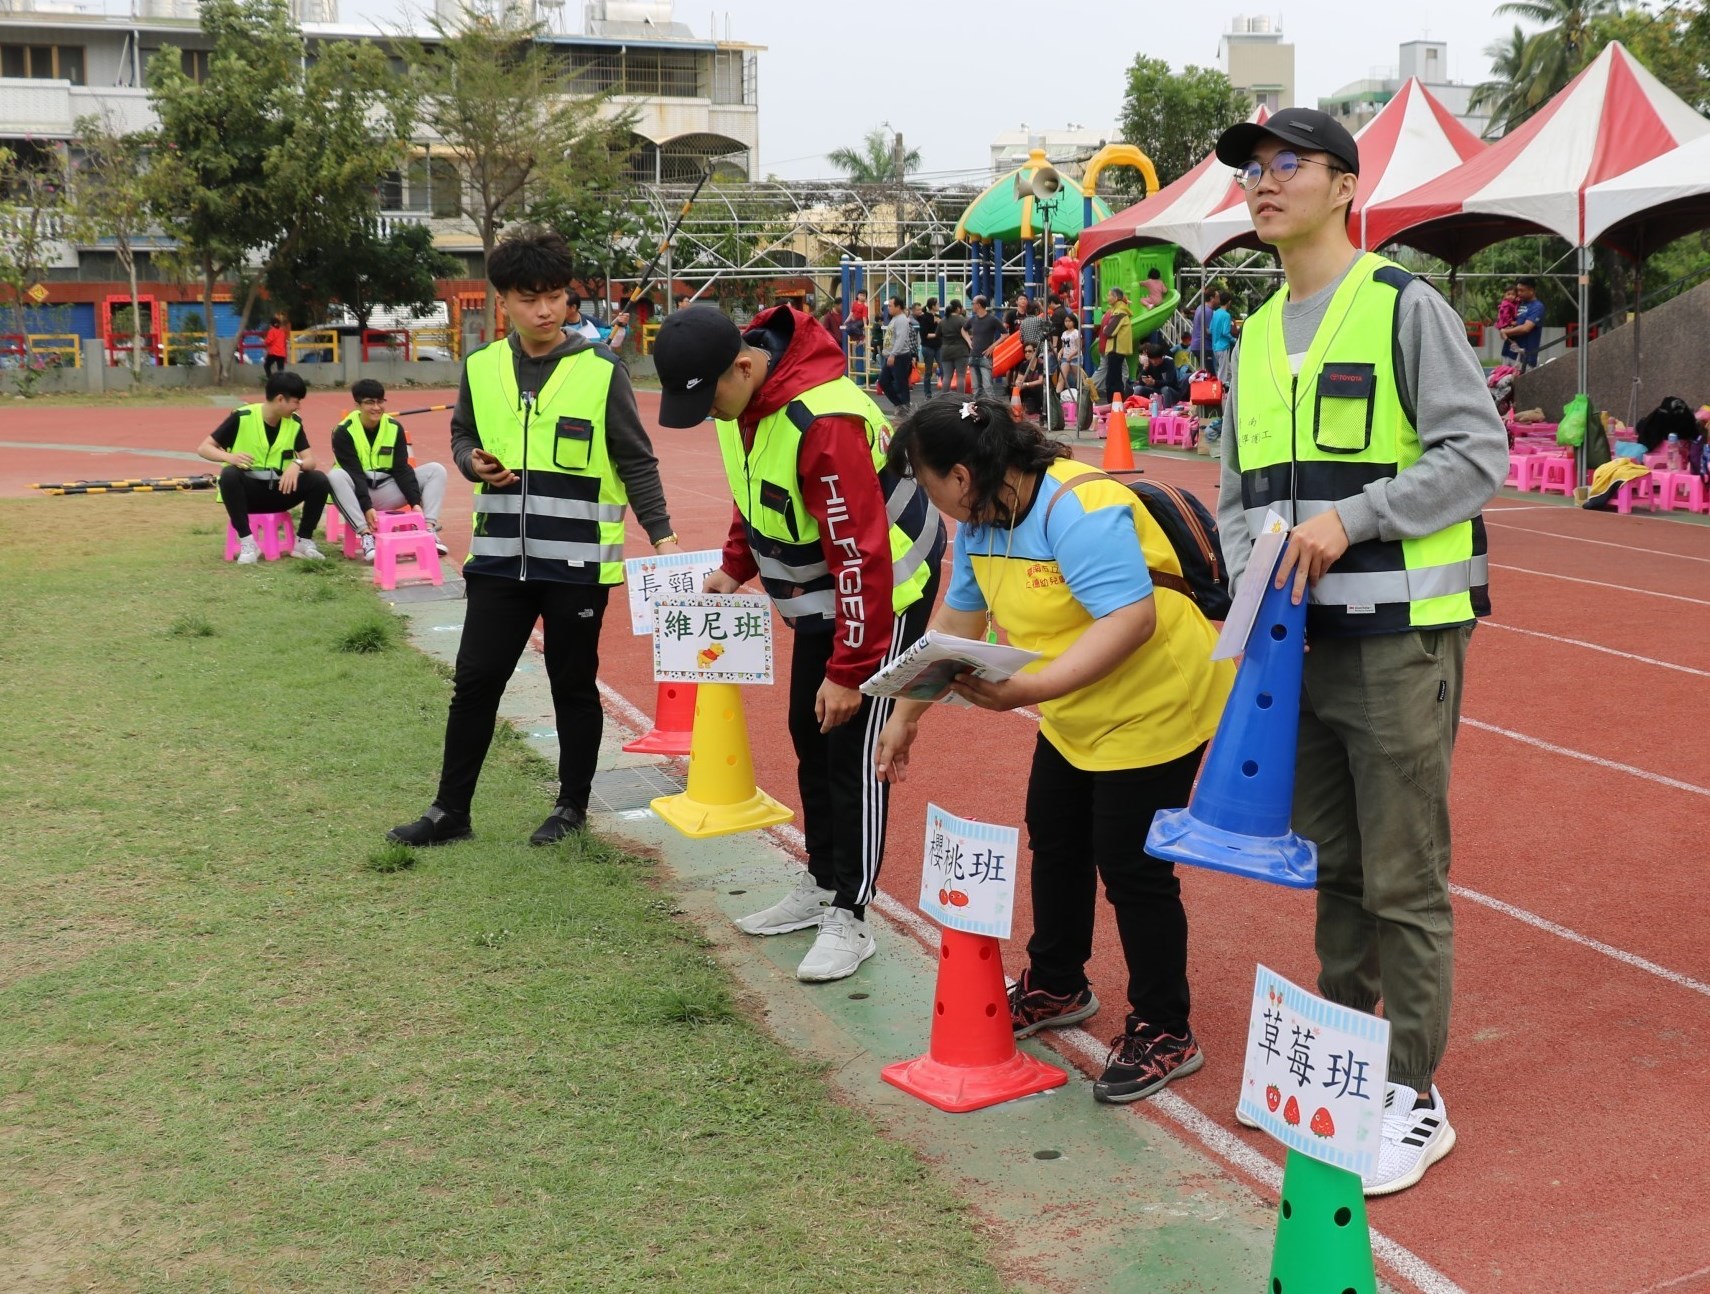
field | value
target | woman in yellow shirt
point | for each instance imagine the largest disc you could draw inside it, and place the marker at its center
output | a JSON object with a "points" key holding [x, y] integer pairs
{"points": [[1128, 696]]}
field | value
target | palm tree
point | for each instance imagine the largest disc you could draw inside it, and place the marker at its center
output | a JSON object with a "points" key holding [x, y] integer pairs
{"points": [[875, 162], [1509, 97], [1555, 55]]}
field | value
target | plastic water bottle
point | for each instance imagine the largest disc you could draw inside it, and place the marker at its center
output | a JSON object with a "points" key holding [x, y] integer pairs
{"points": [[1675, 463], [1157, 405]]}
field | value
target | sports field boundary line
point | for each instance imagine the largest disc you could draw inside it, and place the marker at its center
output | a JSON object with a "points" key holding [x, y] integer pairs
{"points": [[1601, 543], [1601, 584], [1674, 1282], [1569, 752], [1599, 647]]}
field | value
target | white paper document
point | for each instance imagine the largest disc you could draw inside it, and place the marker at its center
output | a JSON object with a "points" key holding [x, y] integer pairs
{"points": [[925, 671], [1238, 624]]}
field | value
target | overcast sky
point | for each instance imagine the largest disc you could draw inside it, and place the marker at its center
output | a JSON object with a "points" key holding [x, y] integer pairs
{"points": [[951, 75]]}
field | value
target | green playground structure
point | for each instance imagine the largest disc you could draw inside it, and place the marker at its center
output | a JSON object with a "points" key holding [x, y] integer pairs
{"points": [[1127, 270]]}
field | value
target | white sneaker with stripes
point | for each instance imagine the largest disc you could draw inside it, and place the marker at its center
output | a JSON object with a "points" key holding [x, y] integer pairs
{"points": [[802, 907], [1413, 1139]]}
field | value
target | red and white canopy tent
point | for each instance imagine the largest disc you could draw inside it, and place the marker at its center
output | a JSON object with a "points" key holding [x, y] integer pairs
{"points": [[1175, 214], [1412, 140], [1655, 203]]}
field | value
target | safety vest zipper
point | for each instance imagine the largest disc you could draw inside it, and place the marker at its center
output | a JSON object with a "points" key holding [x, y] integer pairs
{"points": [[522, 504]]}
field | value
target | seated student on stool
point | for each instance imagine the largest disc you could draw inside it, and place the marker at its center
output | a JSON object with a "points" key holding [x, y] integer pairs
{"points": [[269, 466], [374, 470]]}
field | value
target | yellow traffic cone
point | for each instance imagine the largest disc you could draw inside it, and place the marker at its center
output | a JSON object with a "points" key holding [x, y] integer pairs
{"points": [[721, 798]]}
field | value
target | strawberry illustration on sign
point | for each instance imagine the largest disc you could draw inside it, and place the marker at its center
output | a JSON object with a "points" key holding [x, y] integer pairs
{"points": [[1291, 1112], [1322, 1125], [1273, 1098]]}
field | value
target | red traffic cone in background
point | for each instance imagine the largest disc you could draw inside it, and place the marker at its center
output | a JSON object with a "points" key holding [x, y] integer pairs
{"points": [[673, 722], [1118, 453], [972, 1062]]}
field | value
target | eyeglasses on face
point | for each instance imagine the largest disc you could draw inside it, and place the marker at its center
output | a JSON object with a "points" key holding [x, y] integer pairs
{"points": [[1283, 167], [373, 404]]}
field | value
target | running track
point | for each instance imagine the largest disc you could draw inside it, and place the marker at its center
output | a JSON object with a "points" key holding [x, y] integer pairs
{"points": [[1581, 1033]]}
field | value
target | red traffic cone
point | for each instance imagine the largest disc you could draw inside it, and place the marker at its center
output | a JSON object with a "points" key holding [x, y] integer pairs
{"points": [[972, 1062], [673, 722], [1118, 453]]}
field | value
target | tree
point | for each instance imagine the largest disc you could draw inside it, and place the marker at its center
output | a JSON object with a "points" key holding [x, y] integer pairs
{"points": [[33, 216], [876, 160], [1673, 44], [1555, 55], [607, 231], [1510, 96], [272, 150], [111, 195], [504, 105], [397, 271], [1176, 117]]}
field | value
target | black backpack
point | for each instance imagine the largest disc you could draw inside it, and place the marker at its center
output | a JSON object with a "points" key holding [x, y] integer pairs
{"points": [[1672, 416], [1192, 532]]}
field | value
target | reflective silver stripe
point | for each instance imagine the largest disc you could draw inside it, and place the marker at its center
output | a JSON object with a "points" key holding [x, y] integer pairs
{"points": [[1378, 587], [900, 498], [823, 603], [564, 551], [903, 571], [495, 546], [1480, 566], [1304, 510], [262, 474], [772, 569], [546, 506]]}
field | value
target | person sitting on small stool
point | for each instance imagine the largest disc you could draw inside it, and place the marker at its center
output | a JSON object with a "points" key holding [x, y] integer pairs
{"points": [[269, 466], [374, 469]]}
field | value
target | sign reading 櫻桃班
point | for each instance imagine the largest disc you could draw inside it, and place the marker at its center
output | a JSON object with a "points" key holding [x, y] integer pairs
{"points": [[713, 638], [967, 881], [1315, 1074], [664, 575]]}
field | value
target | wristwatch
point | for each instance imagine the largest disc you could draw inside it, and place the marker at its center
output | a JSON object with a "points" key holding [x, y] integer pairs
{"points": [[667, 539]]}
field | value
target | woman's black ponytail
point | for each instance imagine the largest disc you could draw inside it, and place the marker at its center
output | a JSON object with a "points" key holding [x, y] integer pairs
{"points": [[981, 434]]}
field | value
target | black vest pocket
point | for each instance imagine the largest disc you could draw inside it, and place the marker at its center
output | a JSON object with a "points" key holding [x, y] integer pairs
{"points": [[777, 498], [1342, 408], [574, 443]]}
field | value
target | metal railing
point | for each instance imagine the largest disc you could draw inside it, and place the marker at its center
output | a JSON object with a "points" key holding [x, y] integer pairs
{"points": [[64, 349], [321, 343], [1616, 318]]}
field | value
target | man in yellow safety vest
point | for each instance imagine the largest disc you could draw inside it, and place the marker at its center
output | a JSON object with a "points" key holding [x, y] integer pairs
{"points": [[269, 466], [1359, 412]]}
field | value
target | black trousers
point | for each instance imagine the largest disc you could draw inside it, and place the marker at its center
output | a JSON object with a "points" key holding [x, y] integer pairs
{"points": [[243, 495], [496, 629], [272, 364], [1085, 825], [845, 808], [894, 379]]}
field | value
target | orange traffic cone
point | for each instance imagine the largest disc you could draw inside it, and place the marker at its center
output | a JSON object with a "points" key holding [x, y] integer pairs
{"points": [[1118, 453], [972, 1062], [673, 722], [721, 798]]}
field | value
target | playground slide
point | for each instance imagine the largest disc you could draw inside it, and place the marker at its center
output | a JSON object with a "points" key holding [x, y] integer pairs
{"points": [[1148, 321]]}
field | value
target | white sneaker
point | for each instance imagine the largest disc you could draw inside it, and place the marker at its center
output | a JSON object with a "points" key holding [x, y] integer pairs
{"points": [[802, 907], [844, 943], [367, 542], [249, 552], [305, 548], [1413, 1140]]}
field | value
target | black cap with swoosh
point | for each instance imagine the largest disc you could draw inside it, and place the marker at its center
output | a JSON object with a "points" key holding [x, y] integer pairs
{"points": [[692, 351]]}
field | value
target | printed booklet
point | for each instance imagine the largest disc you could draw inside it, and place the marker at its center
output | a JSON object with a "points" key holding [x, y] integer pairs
{"points": [[925, 671]]}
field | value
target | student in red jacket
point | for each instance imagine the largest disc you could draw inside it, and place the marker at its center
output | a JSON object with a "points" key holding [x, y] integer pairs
{"points": [[276, 342], [818, 518]]}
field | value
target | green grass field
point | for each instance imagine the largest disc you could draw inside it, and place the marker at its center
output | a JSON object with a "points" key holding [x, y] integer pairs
{"points": [[245, 1047]]}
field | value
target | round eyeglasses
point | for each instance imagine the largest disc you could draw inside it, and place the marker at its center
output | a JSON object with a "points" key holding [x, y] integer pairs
{"points": [[1283, 167]]}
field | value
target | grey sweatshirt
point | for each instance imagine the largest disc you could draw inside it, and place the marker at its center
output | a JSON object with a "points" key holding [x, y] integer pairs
{"points": [[626, 439], [900, 339], [1465, 445]]}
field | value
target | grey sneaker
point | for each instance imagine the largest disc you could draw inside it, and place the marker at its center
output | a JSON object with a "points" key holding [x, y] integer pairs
{"points": [[802, 907], [249, 552], [305, 548], [844, 943], [367, 542]]}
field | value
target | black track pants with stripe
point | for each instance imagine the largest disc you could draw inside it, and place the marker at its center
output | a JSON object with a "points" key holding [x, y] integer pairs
{"points": [[844, 806]]}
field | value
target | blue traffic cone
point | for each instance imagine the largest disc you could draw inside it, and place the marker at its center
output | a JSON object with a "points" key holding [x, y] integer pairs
{"points": [[1238, 820]]}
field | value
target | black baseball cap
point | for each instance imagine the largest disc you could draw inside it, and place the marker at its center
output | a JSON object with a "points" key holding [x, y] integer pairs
{"points": [[1305, 128], [692, 351]]}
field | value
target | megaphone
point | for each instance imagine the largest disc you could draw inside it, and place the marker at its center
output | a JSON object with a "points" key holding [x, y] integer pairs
{"points": [[1047, 180]]}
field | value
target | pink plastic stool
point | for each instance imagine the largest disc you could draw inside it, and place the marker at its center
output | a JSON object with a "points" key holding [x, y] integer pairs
{"points": [[335, 524], [273, 532], [1679, 489], [1558, 476], [390, 545], [1637, 490], [400, 519]]}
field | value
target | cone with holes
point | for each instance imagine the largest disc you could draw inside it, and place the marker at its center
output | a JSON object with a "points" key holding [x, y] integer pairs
{"points": [[1238, 820], [1118, 453], [972, 1061], [673, 722], [721, 798], [1323, 1239]]}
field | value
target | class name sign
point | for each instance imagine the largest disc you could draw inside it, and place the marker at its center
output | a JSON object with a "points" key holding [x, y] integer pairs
{"points": [[967, 878], [1315, 1074], [713, 638]]}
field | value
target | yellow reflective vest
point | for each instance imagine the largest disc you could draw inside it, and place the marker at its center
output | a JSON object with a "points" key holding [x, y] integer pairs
{"points": [[378, 455], [269, 459], [1310, 438], [566, 506]]}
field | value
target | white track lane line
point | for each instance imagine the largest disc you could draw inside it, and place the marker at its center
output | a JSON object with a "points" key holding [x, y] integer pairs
{"points": [[1601, 543], [1608, 651], [1569, 752], [1619, 588], [1676, 1283]]}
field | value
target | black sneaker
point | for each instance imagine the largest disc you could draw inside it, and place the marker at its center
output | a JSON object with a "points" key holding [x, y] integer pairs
{"points": [[561, 822], [1140, 1063], [435, 827], [1032, 1009]]}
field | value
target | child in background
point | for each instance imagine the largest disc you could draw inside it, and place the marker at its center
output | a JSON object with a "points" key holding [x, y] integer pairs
{"points": [[1507, 310]]}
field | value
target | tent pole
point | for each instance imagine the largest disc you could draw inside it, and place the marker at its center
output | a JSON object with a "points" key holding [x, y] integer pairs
{"points": [[1584, 348], [1635, 394]]}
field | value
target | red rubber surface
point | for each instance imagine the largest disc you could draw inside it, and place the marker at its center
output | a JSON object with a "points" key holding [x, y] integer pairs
{"points": [[1576, 1081]]}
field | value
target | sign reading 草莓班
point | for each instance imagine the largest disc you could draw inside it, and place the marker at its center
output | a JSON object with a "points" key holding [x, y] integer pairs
{"points": [[665, 575], [713, 638], [1315, 1074], [967, 881]]}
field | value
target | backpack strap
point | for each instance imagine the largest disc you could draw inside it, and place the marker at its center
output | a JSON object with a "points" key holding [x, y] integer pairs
{"points": [[1163, 579]]}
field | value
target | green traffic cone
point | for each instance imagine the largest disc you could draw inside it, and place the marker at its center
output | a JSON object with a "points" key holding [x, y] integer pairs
{"points": [[1324, 1245]]}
